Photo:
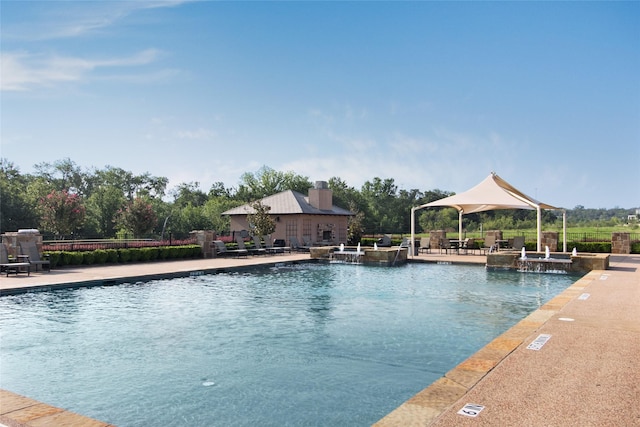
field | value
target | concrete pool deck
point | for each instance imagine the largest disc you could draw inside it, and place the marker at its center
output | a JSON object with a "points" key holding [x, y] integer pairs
{"points": [[584, 374]]}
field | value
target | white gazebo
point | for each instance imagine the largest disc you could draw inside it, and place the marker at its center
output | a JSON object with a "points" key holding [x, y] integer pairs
{"points": [[492, 193]]}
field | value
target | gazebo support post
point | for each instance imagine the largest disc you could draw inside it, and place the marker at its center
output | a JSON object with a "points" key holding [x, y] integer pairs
{"points": [[564, 230], [413, 231], [539, 228]]}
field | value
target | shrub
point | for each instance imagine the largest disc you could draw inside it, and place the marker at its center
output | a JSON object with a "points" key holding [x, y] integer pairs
{"points": [[54, 258], [100, 256], [71, 258], [134, 254], [124, 255], [593, 247], [112, 255], [148, 254], [88, 257]]}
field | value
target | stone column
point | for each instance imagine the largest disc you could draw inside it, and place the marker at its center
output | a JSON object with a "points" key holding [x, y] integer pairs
{"points": [[205, 239], [620, 243], [435, 237], [550, 238], [495, 233]]}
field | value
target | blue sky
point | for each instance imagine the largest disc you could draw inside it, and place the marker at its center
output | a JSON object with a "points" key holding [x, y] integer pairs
{"points": [[432, 94]]}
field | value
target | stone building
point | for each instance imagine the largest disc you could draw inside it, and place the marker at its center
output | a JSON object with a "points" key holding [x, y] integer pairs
{"points": [[313, 218]]}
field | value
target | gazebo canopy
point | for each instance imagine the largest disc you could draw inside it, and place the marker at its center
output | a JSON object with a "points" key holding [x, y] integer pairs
{"points": [[491, 194]]}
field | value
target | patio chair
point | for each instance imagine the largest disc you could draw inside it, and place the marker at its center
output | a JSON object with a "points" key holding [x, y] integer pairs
{"points": [[489, 244], [258, 245], [268, 245], [518, 243], [7, 266], [31, 250], [425, 245], [221, 250], [469, 244], [445, 245]]}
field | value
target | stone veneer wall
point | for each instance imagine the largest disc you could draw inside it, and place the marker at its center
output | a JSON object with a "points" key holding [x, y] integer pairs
{"points": [[620, 243], [550, 238], [435, 237]]}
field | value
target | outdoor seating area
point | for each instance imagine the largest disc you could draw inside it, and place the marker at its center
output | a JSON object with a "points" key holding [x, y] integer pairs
{"points": [[222, 251], [30, 251], [296, 246], [12, 267]]}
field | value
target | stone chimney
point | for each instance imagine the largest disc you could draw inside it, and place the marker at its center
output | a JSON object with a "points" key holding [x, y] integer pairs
{"points": [[321, 197]]}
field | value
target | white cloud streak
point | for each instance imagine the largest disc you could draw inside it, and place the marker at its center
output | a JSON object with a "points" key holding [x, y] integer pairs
{"points": [[22, 71], [56, 20]]}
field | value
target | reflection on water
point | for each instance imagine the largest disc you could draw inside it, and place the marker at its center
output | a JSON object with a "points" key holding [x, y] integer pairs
{"points": [[297, 345]]}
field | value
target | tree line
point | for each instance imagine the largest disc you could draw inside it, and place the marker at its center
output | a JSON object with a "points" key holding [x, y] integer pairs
{"points": [[65, 200]]}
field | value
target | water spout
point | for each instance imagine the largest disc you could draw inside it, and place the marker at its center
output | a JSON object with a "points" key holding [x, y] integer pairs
{"points": [[358, 250], [547, 255], [341, 247], [574, 252], [375, 246], [523, 253]]}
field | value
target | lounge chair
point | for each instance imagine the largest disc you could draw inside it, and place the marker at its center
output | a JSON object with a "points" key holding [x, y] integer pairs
{"points": [[268, 245], [31, 250], [258, 246], [7, 266], [425, 245], [252, 251], [296, 246], [221, 250]]}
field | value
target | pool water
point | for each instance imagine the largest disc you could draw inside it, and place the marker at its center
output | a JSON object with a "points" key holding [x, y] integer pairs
{"points": [[313, 345]]}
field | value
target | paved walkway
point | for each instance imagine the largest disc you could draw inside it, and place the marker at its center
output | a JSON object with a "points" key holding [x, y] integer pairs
{"points": [[585, 374]]}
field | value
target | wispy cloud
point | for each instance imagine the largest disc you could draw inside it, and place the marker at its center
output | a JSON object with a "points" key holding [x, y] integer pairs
{"points": [[25, 71], [56, 20]]}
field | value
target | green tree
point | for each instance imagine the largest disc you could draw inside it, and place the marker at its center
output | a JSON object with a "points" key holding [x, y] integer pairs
{"points": [[380, 197], [137, 218], [260, 221], [65, 175], [102, 206], [268, 181], [16, 210], [355, 229], [62, 213], [188, 193]]}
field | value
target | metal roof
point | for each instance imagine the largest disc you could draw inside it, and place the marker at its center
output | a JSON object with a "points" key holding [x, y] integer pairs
{"points": [[287, 203]]}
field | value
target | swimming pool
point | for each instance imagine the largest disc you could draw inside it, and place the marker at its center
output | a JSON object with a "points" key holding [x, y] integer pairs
{"points": [[312, 344]]}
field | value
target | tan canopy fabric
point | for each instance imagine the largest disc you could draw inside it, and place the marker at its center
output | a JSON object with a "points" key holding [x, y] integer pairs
{"points": [[492, 193]]}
